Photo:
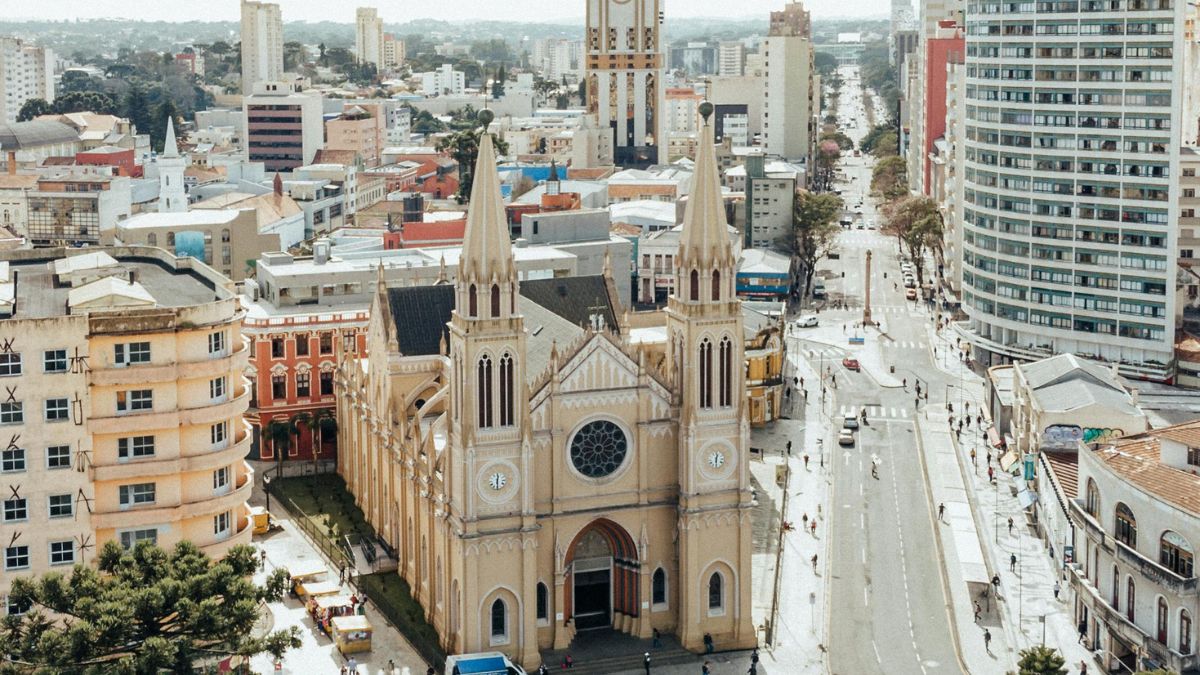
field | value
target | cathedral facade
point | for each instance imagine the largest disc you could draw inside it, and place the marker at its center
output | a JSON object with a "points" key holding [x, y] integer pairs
{"points": [[541, 473]]}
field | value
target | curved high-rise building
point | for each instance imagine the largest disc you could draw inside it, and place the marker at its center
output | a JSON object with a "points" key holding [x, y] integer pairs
{"points": [[1072, 134]]}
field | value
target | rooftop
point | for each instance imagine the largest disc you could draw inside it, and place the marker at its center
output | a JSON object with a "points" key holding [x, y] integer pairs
{"points": [[1137, 459], [184, 219], [35, 133]]}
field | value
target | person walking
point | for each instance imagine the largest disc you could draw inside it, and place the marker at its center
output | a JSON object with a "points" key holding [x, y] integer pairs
{"points": [[754, 657], [1082, 667], [973, 458], [1082, 631], [814, 562], [941, 511], [1010, 524], [646, 662], [978, 612], [813, 526], [543, 670], [656, 642], [1012, 562], [987, 641], [991, 475], [789, 448], [1057, 589], [806, 461], [706, 669]]}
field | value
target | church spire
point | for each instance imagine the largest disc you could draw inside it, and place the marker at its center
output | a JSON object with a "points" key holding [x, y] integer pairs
{"points": [[170, 147], [487, 248], [704, 243]]}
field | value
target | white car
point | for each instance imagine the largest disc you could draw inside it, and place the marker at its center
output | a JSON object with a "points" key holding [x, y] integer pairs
{"points": [[809, 321], [845, 437]]}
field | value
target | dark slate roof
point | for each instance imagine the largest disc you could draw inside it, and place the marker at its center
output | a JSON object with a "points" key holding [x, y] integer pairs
{"points": [[420, 313], [572, 298], [35, 133]]}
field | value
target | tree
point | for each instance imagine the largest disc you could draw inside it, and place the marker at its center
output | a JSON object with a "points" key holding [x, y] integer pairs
{"points": [[32, 108], [294, 55], [142, 611], [878, 134], [814, 231], [425, 123], [158, 123], [136, 107], [889, 178], [828, 154], [463, 146], [280, 431], [303, 420], [325, 423], [844, 142], [583, 93], [1041, 661], [917, 224], [498, 83]]}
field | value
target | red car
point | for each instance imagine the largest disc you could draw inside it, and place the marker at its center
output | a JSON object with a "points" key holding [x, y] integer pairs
{"points": [[850, 364]]}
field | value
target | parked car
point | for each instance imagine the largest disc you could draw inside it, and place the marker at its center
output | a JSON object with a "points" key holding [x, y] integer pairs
{"points": [[850, 364], [910, 282], [846, 437], [849, 422], [807, 321], [911, 294]]}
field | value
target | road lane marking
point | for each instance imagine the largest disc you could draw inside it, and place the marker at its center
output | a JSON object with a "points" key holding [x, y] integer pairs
{"points": [[866, 599]]}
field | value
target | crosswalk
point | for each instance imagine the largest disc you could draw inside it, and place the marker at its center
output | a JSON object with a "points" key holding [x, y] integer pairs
{"points": [[877, 310], [905, 344], [828, 353], [876, 412]]}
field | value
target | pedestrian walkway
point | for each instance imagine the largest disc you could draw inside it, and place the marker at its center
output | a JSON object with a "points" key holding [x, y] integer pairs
{"points": [[875, 412], [904, 344]]}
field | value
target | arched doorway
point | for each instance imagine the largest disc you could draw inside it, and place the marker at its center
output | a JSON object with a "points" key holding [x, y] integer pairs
{"points": [[602, 576]]}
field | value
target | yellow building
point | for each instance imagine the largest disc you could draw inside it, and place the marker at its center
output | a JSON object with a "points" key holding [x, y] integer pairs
{"points": [[123, 372], [766, 352], [540, 472]]}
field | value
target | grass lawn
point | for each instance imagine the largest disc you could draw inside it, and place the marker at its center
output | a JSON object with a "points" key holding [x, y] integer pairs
{"points": [[325, 502], [393, 598]]}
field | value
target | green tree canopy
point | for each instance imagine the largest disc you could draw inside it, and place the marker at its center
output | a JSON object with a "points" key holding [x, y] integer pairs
{"points": [[33, 108], [142, 611], [917, 223], [814, 231], [889, 178], [1041, 661], [463, 146]]}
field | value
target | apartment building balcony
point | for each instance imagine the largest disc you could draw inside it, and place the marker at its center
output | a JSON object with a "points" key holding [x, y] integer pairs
{"points": [[146, 516], [132, 423], [242, 533], [1156, 573], [233, 361], [151, 467]]}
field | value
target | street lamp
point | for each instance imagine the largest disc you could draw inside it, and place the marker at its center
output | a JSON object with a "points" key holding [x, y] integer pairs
{"points": [[266, 489]]}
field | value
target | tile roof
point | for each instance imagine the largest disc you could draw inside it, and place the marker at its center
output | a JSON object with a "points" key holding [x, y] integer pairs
{"points": [[1066, 471], [1137, 459]]}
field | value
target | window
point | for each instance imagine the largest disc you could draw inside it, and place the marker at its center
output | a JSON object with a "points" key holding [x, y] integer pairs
{"points": [[302, 345], [716, 286], [325, 343], [303, 385], [1161, 622], [12, 459], [58, 457], [135, 446], [1116, 589], [506, 390], [1175, 554], [706, 374], [694, 294], [216, 343], [473, 301], [57, 409], [716, 594], [484, 392], [1126, 526], [1130, 599], [61, 506], [499, 622], [15, 608], [543, 603], [277, 348], [62, 552], [16, 558], [218, 432], [54, 361], [221, 479], [221, 524], [12, 412], [278, 386], [658, 587], [216, 388], [1193, 456], [131, 538], [495, 301], [135, 399], [133, 352], [16, 509], [726, 383], [1093, 498], [10, 364], [327, 383], [1185, 632], [137, 494]]}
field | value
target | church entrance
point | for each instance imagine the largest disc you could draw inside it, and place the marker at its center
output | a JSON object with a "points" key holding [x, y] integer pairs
{"points": [[603, 576]]}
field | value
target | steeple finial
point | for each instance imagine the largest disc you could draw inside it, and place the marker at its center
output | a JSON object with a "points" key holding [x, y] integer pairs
{"points": [[705, 238], [487, 247], [170, 147]]}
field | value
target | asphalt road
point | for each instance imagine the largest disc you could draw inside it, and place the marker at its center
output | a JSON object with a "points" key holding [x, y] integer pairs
{"points": [[888, 609]]}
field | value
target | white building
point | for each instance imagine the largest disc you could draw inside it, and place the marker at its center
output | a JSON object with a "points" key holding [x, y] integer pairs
{"points": [[790, 99], [368, 37], [394, 52], [172, 194], [557, 58], [284, 127], [262, 44], [445, 81], [731, 58], [27, 72], [1069, 225]]}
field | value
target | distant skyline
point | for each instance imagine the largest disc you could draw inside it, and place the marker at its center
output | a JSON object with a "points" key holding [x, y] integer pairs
{"points": [[401, 11]]}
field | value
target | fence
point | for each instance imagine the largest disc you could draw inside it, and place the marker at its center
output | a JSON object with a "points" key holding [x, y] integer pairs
{"points": [[315, 532], [393, 599]]}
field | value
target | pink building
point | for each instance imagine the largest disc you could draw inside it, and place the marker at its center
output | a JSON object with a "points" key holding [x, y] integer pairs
{"points": [[357, 130], [947, 46]]}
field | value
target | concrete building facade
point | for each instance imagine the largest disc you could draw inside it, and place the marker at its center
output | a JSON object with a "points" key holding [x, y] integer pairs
{"points": [[26, 72], [368, 37], [284, 126], [790, 98], [262, 44]]}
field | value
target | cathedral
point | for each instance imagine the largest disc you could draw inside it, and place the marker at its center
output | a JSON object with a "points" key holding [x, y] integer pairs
{"points": [[538, 471]]}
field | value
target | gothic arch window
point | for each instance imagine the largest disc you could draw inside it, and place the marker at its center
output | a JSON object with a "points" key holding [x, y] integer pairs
{"points": [[1126, 526], [1092, 505], [658, 587], [706, 366], [495, 301], [1130, 599], [1162, 620], [484, 393], [694, 293], [716, 285], [1185, 632], [1116, 589], [499, 631], [506, 391], [543, 602], [716, 594], [472, 302], [726, 388]]}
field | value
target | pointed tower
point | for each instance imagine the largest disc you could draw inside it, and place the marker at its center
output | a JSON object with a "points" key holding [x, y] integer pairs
{"points": [[172, 196], [705, 359], [553, 187]]}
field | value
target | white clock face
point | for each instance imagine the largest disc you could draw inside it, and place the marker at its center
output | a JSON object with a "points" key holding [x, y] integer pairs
{"points": [[497, 481], [716, 459]]}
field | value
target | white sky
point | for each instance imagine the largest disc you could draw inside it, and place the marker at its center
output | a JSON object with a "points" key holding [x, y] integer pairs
{"points": [[398, 11]]}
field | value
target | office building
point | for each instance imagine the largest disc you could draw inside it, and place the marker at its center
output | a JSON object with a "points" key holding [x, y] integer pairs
{"points": [[394, 52], [26, 72], [368, 37], [262, 44], [123, 419], [927, 104], [731, 59], [790, 96], [770, 201], [284, 126], [1071, 211], [77, 208], [445, 81], [626, 78]]}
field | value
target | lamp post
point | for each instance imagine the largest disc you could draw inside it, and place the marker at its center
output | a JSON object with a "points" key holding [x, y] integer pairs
{"points": [[266, 489]]}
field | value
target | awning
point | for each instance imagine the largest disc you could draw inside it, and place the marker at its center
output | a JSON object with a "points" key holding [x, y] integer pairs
{"points": [[994, 437], [1007, 460], [1027, 498]]}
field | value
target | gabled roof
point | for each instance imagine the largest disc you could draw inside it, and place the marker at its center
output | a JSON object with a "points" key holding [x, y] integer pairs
{"points": [[1065, 367], [35, 133]]}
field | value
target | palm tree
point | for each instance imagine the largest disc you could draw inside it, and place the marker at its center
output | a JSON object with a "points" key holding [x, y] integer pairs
{"points": [[280, 431], [325, 421], [302, 419]]}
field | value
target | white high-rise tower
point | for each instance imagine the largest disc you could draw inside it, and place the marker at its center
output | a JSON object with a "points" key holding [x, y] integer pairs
{"points": [[262, 44], [368, 36], [172, 196]]}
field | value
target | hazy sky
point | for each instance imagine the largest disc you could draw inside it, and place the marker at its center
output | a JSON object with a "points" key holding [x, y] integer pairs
{"points": [[398, 11]]}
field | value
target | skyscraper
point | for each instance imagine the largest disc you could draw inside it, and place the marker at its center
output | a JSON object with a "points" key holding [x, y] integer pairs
{"points": [[262, 44], [368, 36], [1072, 137], [26, 72], [625, 74], [789, 97]]}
